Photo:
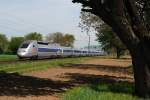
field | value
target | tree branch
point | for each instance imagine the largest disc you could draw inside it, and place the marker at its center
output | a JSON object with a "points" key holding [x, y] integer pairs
{"points": [[113, 13], [85, 3], [138, 27]]}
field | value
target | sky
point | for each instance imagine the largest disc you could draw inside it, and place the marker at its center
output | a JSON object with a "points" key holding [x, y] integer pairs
{"points": [[19, 17]]}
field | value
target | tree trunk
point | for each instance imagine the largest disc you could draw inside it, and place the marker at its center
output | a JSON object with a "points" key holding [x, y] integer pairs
{"points": [[141, 71], [118, 52], [124, 19]]}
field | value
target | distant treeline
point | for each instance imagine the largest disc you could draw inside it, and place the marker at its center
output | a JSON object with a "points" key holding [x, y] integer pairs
{"points": [[10, 46]]}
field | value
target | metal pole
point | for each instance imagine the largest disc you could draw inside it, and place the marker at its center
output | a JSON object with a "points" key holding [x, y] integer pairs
{"points": [[89, 40]]}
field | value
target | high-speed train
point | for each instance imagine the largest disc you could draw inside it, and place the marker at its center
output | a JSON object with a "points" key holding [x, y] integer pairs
{"points": [[38, 49]]}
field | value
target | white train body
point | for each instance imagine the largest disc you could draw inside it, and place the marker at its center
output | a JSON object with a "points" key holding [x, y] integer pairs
{"points": [[38, 49]]}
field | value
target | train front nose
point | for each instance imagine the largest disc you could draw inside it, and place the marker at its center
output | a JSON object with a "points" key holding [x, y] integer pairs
{"points": [[21, 53]]}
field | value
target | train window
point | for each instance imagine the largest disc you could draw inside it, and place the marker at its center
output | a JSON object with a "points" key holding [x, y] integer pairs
{"points": [[24, 45], [42, 43]]}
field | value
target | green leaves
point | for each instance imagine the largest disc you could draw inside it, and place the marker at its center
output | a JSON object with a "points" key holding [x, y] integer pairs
{"points": [[15, 43], [105, 36], [62, 39], [34, 36], [3, 43]]}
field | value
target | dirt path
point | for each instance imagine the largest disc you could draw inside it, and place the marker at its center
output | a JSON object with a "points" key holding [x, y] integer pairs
{"points": [[51, 83]]}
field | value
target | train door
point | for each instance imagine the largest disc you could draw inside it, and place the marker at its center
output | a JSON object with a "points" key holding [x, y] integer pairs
{"points": [[34, 50]]}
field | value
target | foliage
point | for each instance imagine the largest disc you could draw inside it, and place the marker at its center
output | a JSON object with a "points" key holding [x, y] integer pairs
{"points": [[105, 35], [110, 41], [15, 43], [33, 36], [55, 37], [3, 43], [89, 21], [68, 40], [60, 38]]}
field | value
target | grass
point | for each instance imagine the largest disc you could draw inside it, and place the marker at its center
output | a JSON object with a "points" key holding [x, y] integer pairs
{"points": [[29, 66], [4, 57], [115, 91]]}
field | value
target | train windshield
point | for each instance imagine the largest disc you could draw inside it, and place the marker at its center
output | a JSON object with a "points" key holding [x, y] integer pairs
{"points": [[24, 45]]}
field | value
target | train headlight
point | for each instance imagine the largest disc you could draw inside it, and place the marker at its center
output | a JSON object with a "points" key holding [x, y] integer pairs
{"points": [[20, 51], [23, 51]]}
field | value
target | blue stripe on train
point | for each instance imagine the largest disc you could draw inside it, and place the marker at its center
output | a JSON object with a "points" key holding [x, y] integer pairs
{"points": [[48, 50], [67, 50]]}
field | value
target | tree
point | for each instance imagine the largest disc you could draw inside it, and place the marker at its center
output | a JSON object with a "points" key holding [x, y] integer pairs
{"points": [[15, 43], [3, 43], [109, 41], [68, 40], [55, 37], [127, 19], [33, 36], [105, 35], [60, 38]]}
